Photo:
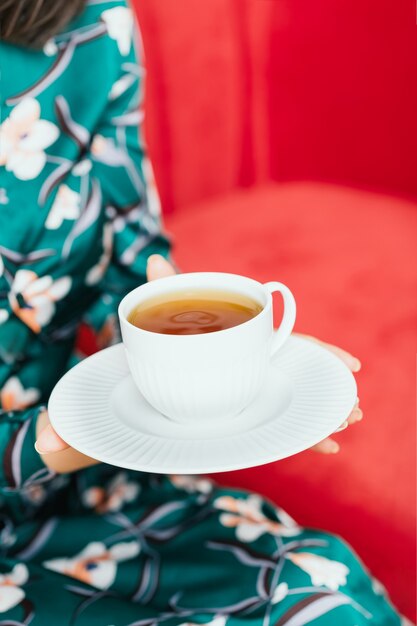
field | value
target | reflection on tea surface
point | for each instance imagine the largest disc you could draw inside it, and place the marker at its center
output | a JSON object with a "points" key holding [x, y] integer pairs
{"points": [[194, 312]]}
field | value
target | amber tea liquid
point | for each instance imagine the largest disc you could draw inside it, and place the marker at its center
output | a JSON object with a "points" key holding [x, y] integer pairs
{"points": [[194, 312]]}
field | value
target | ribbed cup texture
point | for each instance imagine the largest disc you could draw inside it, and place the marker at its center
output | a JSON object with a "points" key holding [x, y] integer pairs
{"points": [[198, 393]]}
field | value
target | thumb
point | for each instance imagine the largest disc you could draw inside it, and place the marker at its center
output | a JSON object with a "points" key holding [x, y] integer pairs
{"points": [[158, 267], [49, 441]]}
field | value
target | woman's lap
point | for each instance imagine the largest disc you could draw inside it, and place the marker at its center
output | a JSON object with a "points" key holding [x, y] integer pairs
{"points": [[179, 551]]}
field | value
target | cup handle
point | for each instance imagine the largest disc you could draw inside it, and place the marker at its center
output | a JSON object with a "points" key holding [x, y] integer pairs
{"points": [[288, 319]]}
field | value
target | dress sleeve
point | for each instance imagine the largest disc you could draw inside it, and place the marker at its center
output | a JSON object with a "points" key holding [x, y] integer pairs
{"points": [[121, 166]]}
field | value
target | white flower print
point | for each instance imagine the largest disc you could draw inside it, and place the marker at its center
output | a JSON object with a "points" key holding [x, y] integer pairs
{"points": [[286, 519], [280, 593], [111, 499], [15, 397], [219, 620], [66, 206], [246, 516], [99, 145], [82, 167], [192, 484], [96, 273], [106, 150], [119, 22], [50, 48], [7, 537], [23, 139], [378, 587], [96, 565], [4, 199], [121, 220], [10, 587], [322, 571], [121, 85], [39, 295]]}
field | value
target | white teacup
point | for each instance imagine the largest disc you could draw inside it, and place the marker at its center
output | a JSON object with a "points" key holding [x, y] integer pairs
{"points": [[207, 376]]}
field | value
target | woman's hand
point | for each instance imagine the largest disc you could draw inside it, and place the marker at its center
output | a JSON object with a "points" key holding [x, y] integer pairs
{"points": [[55, 452], [329, 445]]}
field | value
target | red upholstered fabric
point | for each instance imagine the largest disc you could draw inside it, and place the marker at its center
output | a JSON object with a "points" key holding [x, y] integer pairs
{"points": [[342, 94], [244, 90], [241, 92], [349, 257], [194, 96]]}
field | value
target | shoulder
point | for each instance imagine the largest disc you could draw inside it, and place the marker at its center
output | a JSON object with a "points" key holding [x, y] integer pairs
{"points": [[112, 19], [114, 12]]}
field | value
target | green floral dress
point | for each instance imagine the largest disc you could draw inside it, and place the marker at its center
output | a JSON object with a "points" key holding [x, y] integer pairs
{"points": [[79, 216]]}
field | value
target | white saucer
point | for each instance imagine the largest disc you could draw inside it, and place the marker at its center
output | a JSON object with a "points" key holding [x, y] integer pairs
{"points": [[98, 410]]}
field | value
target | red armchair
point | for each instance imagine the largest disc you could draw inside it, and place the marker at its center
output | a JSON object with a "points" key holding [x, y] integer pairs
{"points": [[247, 100]]}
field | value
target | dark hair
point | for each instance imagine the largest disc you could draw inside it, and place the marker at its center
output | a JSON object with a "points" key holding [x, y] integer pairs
{"points": [[33, 22]]}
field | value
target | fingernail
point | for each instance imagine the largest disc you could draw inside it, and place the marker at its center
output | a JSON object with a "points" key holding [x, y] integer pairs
{"points": [[48, 441], [343, 426], [157, 260], [356, 365], [333, 447], [38, 450], [357, 414]]}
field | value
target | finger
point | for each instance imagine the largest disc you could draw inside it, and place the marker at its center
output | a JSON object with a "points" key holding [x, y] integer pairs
{"points": [[49, 441], [348, 359], [327, 446], [158, 267], [355, 416]]}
